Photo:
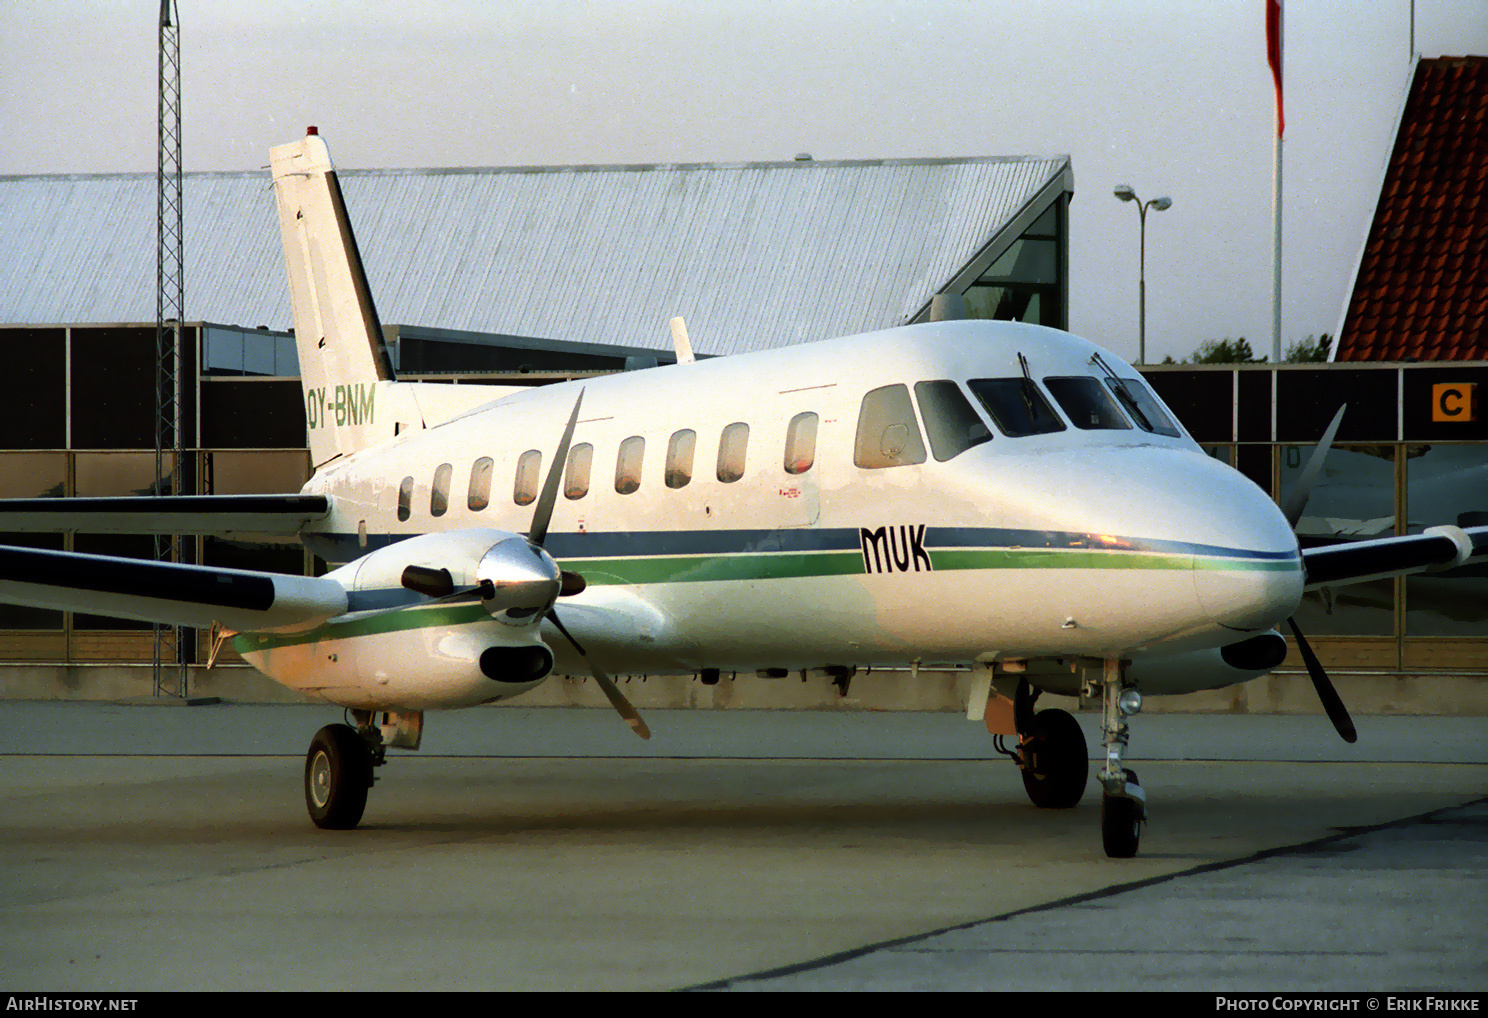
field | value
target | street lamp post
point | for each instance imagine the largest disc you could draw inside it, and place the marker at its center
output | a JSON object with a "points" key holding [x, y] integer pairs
{"points": [[1125, 193]]}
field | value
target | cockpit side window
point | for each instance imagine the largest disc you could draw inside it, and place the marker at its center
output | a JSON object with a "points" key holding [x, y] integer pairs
{"points": [[1148, 412], [1016, 406], [1088, 403], [951, 423], [888, 435]]}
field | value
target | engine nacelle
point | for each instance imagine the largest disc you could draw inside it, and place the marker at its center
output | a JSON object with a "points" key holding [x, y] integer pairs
{"points": [[1193, 670], [440, 620], [516, 580]]}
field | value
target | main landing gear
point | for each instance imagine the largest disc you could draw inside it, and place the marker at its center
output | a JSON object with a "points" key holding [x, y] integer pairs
{"points": [[339, 765], [338, 774], [1054, 760], [1051, 752]]}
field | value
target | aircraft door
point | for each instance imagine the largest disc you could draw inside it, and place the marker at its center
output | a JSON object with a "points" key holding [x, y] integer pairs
{"points": [[799, 494]]}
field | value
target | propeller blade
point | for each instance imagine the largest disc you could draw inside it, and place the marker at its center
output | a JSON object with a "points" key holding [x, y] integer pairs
{"points": [[1337, 713], [1297, 501], [543, 514], [611, 691]]}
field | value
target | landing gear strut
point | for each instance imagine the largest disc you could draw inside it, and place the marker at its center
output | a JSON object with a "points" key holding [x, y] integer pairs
{"points": [[1124, 804]]}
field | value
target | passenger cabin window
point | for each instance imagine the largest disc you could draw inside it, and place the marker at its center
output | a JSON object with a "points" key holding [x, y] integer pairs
{"points": [[628, 465], [529, 467], [950, 421], [1142, 406], [405, 499], [679, 458], [732, 447], [1016, 406], [576, 477], [480, 484], [887, 433], [439, 493], [1088, 404], [800, 443]]}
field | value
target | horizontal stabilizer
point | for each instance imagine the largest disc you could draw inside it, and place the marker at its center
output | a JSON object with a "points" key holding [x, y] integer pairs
{"points": [[167, 592], [1357, 561], [211, 515]]}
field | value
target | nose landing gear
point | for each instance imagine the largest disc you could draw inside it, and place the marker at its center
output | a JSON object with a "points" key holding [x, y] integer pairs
{"points": [[1054, 761], [1123, 804]]}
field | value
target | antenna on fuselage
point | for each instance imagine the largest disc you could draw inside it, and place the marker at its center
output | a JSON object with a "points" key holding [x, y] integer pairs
{"points": [[681, 342]]}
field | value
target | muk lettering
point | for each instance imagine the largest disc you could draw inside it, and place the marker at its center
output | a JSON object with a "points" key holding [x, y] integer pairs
{"points": [[340, 405], [894, 549]]}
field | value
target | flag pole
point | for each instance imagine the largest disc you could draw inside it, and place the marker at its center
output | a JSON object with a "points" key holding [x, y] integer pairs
{"points": [[1273, 56]]}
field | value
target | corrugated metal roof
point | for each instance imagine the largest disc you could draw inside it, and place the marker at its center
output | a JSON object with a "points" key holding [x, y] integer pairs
{"points": [[754, 256], [1421, 292]]}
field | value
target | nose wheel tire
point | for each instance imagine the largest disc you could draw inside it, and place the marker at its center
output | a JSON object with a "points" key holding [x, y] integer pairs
{"points": [[338, 772], [1121, 822], [1055, 761]]}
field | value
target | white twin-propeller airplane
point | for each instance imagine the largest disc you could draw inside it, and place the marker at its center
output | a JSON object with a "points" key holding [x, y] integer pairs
{"points": [[988, 495]]}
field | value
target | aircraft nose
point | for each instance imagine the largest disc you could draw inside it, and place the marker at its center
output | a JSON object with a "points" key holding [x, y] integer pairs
{"points": [[1252, 578], [1246, 569], [1250, 593]]}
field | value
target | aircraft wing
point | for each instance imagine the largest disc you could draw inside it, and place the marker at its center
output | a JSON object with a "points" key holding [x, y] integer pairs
{"points": [[215, 515], [186, 595], [1357, 561]]}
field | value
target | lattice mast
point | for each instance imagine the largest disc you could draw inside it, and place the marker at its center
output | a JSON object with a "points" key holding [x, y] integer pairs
{"points": [[170, 303]]}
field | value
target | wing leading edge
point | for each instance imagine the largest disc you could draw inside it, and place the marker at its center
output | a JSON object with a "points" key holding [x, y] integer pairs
{"points": [[167, 592], [1357, 561]]}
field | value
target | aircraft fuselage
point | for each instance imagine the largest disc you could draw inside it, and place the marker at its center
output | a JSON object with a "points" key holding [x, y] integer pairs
{"points": [[1097, 542]]}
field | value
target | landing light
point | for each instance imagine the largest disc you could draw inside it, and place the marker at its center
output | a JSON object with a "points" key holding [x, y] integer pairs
{"points": [[1129, 702]]}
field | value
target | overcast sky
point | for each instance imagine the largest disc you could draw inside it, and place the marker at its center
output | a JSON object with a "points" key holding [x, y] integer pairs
{"points": [[1174, 98]]}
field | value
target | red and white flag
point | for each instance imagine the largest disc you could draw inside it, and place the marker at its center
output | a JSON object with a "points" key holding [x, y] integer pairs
{"points": [[1273, 56]]}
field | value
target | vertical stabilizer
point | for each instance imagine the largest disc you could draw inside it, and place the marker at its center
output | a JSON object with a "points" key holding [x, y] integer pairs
{"points": [[337, 332]]}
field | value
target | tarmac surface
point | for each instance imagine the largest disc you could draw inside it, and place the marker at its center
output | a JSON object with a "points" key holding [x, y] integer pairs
{"points": [[147, 847]]}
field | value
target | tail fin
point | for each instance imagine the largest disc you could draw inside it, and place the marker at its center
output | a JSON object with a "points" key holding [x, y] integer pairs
{"points": [[342, 356]]}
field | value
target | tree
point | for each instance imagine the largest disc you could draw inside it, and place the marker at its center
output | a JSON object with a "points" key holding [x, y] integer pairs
{"points": [[1238, 351], [1310, 350]]}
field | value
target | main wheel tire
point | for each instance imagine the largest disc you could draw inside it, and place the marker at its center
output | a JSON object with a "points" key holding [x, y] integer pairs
{"points": [[1121, 823], [1059, 762], [338, 772]]}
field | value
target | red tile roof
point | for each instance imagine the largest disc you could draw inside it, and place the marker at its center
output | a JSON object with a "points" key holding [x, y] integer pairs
{"points": [[1422, 289]]}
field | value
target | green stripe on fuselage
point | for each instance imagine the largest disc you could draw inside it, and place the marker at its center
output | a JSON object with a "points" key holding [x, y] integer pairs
{"points": [[754, 566], [790, 565], [346, 627]]}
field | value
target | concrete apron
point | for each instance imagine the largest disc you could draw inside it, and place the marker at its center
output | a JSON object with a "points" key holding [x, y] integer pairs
{"points": [[1282, 692]]}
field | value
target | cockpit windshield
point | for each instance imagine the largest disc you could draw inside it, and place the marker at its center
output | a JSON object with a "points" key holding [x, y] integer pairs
{"points": [[1088, 404], [1136, 397], [1016, 406]]}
